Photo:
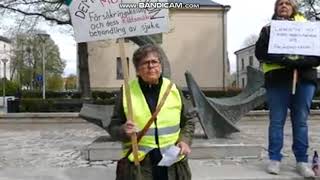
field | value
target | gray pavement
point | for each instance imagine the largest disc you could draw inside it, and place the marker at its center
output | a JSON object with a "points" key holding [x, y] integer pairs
{"points": [[33, 151], [200, 171]]}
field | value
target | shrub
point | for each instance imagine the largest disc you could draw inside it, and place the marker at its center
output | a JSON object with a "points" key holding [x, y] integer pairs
{"points": [[50, 105]]}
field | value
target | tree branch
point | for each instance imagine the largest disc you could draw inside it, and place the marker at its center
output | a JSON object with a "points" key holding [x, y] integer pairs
{"points": [[60, 22]]}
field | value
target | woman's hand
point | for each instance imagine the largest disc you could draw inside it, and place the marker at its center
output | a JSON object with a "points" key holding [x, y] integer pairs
{"points": [[185, 149], [129, 128]]}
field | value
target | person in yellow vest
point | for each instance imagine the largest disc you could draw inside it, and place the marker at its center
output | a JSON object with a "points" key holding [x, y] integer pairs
{"points": [[279, 70], [172, 128]]}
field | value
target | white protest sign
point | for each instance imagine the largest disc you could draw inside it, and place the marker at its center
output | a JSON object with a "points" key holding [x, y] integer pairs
{"points": [[94, 20], [291, 37]]}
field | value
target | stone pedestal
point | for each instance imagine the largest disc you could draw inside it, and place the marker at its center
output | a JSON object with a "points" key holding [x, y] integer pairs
{"points": [[105, 149]]}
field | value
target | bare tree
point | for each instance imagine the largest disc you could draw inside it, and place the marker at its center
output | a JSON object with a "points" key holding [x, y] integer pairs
{"points": [[250, 40], [28, 13], [311, 8]]}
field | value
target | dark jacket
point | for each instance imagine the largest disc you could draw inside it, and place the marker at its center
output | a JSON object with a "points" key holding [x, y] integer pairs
{"points": [[151, 93], [283, 77]]}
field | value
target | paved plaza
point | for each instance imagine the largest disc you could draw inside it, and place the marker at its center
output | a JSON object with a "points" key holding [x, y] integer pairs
{"points": [[53, 151]]}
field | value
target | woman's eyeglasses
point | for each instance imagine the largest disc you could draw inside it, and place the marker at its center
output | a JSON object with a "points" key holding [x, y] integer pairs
{"points": [[152, 63]]}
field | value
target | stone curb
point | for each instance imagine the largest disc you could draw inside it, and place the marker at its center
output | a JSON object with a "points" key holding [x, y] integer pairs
{"points": [[264, 115], [75, 118], [42, 121], [39, 115], [265, 112], [39, 118], [104, 149]]}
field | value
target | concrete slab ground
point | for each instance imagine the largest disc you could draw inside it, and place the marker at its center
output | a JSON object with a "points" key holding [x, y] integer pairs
{"points": [[201, 170], [32, 150]]}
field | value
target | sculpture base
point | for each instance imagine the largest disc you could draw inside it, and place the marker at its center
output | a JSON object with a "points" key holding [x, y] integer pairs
{"points": [[105, 149]]}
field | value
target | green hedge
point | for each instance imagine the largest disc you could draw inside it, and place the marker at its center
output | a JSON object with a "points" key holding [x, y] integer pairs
{"points": [[57, 105], [11, 88], [103, 95], [50, 94], [109, 101], [74, 95]]}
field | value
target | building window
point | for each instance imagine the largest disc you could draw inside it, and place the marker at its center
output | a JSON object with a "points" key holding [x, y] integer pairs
{"points": [[251, 60], [120, 75], [242, 64], [243, 81]]}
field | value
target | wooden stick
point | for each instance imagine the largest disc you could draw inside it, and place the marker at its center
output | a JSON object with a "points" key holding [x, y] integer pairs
{"points": [[294, 81], [128, 98]]}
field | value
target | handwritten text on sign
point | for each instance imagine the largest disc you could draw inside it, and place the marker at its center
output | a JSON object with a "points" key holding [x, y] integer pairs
{"points": [[290, 37], [104, 19]]}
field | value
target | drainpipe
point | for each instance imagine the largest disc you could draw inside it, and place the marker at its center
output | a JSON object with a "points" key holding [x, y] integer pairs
{"points": [[224, 44], [237, 70]]}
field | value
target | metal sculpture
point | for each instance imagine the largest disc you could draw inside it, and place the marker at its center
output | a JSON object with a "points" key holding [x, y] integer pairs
{"points": [[218, 116]]}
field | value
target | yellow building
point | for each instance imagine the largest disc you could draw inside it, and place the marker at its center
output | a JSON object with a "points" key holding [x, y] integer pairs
{"points": [[197, 42]]}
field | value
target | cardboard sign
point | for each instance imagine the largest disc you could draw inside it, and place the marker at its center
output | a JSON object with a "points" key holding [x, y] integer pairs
{"points": [[94, 20], [297, 38]]}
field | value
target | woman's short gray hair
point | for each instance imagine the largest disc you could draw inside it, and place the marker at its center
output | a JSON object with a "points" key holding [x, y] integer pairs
{"points": [[294, 4], [143, 52]]}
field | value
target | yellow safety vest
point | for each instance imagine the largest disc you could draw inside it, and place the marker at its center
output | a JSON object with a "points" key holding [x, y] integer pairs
{"points": [[272, 66], [168, 119]]}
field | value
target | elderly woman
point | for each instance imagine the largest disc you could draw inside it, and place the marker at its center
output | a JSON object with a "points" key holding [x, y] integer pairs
{"points": [[279, 70], [172, 126]]}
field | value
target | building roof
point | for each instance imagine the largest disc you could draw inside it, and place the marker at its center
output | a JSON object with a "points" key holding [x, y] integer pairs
{"points": [[248, 47], [201, 2], [4, 39]]}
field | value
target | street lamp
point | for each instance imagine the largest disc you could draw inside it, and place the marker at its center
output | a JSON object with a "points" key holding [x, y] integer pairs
{"points": [[30, 66], [43, 37], [4, 81]]}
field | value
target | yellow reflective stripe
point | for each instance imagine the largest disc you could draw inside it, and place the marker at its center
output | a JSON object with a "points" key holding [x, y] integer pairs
{"points": [[147, 149], [141, 155], [127, 146], [164, 140], [269, 67], [163, 131], [148, 141], [143, 150], [169, 139]]}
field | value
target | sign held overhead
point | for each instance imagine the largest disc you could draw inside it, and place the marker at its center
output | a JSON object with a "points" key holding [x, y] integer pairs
{"points": [[111, 19]]}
